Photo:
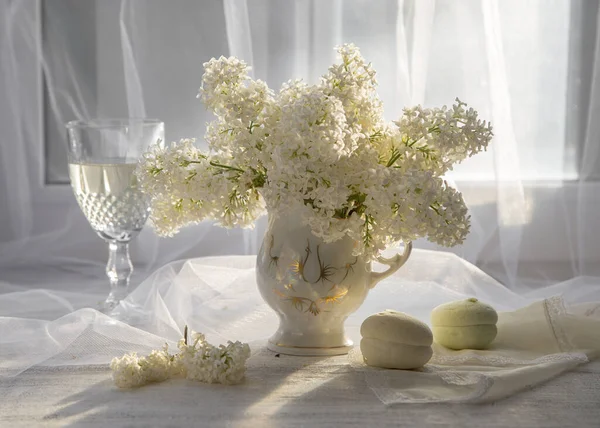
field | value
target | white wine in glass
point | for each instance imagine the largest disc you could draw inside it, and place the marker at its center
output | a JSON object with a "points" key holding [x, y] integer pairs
{"points": [[103, 156], [109, 197]]}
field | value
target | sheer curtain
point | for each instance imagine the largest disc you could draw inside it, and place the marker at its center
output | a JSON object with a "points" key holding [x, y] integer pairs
{"points": [[68, 60], [524, 65]]}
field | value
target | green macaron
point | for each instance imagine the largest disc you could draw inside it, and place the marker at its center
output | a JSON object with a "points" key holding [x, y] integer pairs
{"points": [[464, 324]]}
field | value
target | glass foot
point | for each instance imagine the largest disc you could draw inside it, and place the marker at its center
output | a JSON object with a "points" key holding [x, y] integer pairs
{"points": [[112, 301]]}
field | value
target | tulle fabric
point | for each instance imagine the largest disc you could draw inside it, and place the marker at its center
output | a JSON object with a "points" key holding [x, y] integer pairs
{"points": [[218, 296]]}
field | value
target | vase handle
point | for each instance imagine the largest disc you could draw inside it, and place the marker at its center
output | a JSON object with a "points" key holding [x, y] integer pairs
{"points": [[394, 264]]}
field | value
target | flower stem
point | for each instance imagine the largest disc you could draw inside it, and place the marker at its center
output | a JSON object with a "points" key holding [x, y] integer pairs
{"points": [[220, 165]]}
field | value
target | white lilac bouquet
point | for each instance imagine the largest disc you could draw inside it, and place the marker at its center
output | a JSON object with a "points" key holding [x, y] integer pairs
{"points": [[197, 360], [324, 151]]}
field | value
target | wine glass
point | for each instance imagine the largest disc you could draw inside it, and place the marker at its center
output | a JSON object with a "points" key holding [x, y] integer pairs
{"points": [[103, 155]]}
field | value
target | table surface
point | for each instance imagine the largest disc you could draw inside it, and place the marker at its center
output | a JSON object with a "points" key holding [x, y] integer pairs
{"points": [[291, 391], [278, 391]]}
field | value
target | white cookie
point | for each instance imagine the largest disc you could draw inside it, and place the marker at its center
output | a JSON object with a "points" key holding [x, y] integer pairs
{"points": [[391, 355], [395, 340], [394, 326]]}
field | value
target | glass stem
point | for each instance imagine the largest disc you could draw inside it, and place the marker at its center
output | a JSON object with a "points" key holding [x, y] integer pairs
{"points": [[118, 269]]}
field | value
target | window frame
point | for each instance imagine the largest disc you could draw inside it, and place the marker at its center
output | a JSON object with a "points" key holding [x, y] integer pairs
{"points": [[43, 194], [582, 48]]}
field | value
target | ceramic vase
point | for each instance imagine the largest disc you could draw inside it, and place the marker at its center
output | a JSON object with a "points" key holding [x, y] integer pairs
{"points": [[313, 286]]}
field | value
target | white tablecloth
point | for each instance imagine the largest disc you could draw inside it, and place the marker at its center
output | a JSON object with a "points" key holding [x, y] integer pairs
{"points": [[289, 391]]}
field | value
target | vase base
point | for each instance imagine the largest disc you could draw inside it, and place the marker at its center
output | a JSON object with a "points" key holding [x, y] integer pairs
{"points": [[309, 352]]}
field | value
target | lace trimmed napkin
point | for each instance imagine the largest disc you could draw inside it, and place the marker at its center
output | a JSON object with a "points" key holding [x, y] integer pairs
{"points": [[534, 344]]}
